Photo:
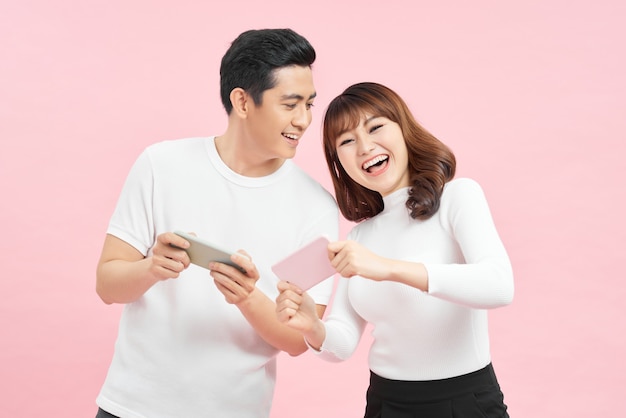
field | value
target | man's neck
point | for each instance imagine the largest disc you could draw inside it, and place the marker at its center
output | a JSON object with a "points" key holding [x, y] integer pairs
{"points": [[243, 158]]}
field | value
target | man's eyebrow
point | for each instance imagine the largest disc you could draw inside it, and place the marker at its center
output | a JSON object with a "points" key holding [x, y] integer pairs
{"points": [[297, 96]]}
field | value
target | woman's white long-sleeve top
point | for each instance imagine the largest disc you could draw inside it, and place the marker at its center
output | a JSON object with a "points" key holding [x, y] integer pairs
{"points": [[425, 335]]}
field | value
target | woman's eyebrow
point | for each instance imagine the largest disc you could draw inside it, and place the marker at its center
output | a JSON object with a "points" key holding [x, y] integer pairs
{"points": [[366, 121]]}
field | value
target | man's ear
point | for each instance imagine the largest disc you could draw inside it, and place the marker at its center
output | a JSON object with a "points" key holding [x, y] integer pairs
{"points": [[240, 101]]}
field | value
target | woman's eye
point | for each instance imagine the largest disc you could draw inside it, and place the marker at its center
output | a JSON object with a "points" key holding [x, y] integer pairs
{"points": [[344, 141], [375, 127]]}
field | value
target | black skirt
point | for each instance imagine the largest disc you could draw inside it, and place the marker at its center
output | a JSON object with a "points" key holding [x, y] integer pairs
{"points": [[473, 395]]}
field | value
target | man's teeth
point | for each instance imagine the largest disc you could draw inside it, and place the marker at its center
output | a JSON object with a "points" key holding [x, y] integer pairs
{"points": [[374, 161], [290, 136]]}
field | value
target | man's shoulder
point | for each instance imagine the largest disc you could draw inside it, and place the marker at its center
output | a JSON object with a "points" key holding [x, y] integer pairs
{"points": [[184, 150], [304, 179], [177, 145]]}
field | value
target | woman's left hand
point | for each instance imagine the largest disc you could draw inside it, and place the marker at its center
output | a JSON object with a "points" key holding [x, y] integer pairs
{"points": [[350, 258]]}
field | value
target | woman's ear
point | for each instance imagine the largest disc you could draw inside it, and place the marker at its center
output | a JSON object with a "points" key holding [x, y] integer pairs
{"points": [[239, 99]]}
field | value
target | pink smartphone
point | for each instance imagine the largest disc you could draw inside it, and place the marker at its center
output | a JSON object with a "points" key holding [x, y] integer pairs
{"points": [[307, 266]]}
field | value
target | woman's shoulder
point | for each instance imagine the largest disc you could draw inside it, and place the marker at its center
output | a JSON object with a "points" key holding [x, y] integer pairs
{"points": [[462, 185], [461, 191]]}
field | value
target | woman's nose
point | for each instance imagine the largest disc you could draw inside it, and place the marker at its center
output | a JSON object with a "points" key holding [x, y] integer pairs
{"points": [[366, 145]]}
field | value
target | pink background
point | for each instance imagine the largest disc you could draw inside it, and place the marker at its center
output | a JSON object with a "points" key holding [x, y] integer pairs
{"points": [[530, 95]]}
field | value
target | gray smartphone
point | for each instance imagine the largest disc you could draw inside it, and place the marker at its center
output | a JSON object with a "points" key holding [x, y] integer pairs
{"points": [[201, 252]]}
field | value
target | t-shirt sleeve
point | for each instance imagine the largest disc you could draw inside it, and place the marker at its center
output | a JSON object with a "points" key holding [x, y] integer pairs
{"points": [[132, 219], [485, 280]]}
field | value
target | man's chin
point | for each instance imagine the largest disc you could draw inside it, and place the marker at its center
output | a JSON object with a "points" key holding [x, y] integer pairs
{"points": [[289, 153]]}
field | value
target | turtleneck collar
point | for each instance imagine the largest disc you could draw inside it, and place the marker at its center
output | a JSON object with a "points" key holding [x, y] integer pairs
{"points": [[396, 199]]}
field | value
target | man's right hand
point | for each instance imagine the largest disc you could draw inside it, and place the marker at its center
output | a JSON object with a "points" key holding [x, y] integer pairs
{"points": [[124, 274]]}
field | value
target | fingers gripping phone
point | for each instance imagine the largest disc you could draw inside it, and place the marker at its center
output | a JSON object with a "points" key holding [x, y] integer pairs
{"points": [[201, 252], [307, 266]]}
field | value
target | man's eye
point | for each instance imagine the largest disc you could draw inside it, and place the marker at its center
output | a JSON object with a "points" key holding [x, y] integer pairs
{"points": [[309, 105], [290, 105]]}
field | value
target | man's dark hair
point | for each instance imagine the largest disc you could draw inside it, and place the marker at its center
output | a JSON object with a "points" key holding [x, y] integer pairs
{"points": [[253, 57]]}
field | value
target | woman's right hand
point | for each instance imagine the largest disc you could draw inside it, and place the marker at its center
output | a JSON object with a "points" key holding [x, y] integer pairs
{"points": [[296, 309]]}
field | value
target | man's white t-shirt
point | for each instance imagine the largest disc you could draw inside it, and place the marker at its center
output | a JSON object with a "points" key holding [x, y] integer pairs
{"points": [[182, 350]]}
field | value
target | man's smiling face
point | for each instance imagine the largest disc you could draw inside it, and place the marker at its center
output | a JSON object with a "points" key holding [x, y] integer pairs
{"points": [[276, 125]]}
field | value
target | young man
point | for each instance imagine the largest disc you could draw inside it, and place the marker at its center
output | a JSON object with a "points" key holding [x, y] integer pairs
{"points": [[200, 343]]}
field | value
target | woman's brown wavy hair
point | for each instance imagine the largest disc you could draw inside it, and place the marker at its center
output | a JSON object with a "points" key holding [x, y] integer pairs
{"points": [[431, 163]]}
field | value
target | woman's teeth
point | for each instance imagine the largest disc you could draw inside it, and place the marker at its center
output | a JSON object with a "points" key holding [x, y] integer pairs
{"points": [[375, 161]]}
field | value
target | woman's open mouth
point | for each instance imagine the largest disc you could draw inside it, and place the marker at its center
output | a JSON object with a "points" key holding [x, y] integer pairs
{"points": [[375, 164]]}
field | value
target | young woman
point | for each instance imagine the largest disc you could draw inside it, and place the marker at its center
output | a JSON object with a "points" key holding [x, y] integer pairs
{"points": [[423, 267]]}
